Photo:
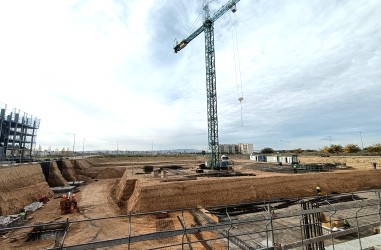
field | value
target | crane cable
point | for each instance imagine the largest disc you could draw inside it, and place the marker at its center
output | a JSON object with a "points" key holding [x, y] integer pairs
{"points": [[196, 22], [237, 59]]}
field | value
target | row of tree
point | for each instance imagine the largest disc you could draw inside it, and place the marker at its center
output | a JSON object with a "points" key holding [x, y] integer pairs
{"points": [[335, 149]]}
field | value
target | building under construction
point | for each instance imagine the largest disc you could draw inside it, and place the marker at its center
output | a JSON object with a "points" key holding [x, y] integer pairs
{"points": [[18, 131]]}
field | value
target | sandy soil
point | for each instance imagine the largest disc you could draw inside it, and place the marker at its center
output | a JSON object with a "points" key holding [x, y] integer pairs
{"points": [[95, 201]]}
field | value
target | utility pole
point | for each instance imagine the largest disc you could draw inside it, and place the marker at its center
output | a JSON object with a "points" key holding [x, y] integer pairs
{"points": [[362, 145], [83, 147], [330, 140]]}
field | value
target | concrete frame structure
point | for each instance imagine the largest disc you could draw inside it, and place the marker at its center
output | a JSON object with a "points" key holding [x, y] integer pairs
{"points": [[240, 148], [18, 131]]}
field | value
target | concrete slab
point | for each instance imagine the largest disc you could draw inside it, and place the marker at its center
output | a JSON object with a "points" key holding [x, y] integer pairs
{"points": [[366, 242]]}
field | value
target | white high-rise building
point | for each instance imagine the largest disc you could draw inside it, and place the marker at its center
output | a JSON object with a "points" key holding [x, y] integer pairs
{"points": [[241, 148]]}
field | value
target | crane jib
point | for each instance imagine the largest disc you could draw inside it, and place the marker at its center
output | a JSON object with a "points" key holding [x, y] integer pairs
{"points": [[230, 5]]}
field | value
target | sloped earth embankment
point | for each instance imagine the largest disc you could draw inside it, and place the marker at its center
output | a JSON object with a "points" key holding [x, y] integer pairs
{"points": [[55, 178], [221, 191], [21, 185], [359, 162]]}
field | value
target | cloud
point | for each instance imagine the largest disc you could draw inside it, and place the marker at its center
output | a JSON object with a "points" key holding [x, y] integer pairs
{"points": [[106, 71]]}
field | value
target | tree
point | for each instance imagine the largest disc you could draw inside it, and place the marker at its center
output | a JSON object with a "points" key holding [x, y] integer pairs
{"points": [[326, 150], [267, 151], [336, 149], [298, 151], [375, 148], [63, 152], [333, 149], [351, 148]]}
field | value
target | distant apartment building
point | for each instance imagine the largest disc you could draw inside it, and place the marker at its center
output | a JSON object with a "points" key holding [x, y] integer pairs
{"points": [[241, 148], [18, 131]]}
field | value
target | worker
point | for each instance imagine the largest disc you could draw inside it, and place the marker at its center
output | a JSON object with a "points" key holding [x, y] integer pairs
{"points": [[346, 224], [74, 201], [374, 165], [22, 214], [295, 169], [318, 189]]}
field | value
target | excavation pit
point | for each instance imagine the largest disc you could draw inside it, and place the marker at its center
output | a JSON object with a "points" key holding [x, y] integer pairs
{"points": [[47, 232]]}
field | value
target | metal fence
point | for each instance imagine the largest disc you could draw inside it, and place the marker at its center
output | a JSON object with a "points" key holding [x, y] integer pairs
{"points": [[303, 223]]}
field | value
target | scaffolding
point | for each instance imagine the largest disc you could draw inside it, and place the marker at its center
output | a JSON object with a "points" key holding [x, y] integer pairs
{"points": [[273, 224], [18, 131]]}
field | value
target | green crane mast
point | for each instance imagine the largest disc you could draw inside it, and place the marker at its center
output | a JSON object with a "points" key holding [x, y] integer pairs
{"points": [[211, 91]]}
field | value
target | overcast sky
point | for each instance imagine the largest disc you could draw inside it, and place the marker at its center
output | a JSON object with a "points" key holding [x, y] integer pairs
{"points": [[309, 72]]}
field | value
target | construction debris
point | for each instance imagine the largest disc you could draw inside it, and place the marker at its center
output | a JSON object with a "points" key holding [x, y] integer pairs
{"points": [[34, 206]]}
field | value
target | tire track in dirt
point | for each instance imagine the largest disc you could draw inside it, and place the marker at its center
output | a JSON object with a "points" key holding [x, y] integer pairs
{"points": [[94, 201]]}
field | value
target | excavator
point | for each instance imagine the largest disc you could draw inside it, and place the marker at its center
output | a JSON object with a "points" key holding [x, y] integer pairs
{"points": [[68, 203]]}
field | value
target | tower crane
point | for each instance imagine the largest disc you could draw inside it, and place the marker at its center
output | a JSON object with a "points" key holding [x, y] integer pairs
{"points": [[211, 91]]}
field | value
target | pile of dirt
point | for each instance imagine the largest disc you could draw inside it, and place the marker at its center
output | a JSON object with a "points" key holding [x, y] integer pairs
{"points": [[55, 177], [20, 185], [234, 190], [107, 173]]}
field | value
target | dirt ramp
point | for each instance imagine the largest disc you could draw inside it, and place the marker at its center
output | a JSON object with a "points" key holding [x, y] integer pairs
{"points": [[55, 178], [222, 191], [20, 185]]}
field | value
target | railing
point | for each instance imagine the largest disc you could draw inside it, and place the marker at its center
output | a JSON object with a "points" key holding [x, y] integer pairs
{"points": [[274, 227]]}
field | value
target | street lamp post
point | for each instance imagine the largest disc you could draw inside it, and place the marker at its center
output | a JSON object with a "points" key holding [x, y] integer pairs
{"points": [[83, 147], [73, 144]]}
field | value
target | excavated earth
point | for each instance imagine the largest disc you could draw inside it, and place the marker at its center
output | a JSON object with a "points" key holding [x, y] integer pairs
{"points": [[119, 185]]}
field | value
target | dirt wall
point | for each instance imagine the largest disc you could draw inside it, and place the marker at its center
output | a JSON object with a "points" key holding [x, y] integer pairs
{"points": [[20, 185], [361, 162], [110, 173], [68, 171], [123, 189], [222, 191], [55, 178], [83, 171]]}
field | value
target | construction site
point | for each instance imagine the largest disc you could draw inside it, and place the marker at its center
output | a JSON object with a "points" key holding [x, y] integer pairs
{"points": [[184, 201], [167, 202]]}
